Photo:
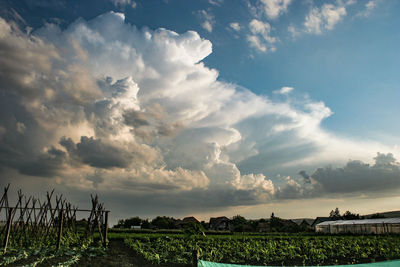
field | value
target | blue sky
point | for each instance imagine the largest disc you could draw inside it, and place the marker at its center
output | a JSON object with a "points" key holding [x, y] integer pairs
{"points": [[205, 107]]}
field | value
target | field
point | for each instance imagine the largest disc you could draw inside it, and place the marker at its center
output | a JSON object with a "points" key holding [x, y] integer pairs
{"points": [[47, 233], [277, 249], [44, 252], [171, 248]]}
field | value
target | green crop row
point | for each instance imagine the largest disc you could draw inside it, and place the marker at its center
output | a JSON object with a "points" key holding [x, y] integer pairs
{"points": [[266, 250], [26, 251]]}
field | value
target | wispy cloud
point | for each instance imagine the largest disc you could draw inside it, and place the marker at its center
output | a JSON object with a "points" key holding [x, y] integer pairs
{"points": [[369, 7], [216, 2], [284, 90], [235, 26], [274, 8], [124, 3], [208, 20], [324, 18], [260, 37]]}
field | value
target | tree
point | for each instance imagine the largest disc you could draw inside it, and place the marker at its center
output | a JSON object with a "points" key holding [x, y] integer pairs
{"points": [[133, 221], [350, 216], [335, 214], [163, 222], [146, 224], [377, 216], [275, 223], [239, 223]]}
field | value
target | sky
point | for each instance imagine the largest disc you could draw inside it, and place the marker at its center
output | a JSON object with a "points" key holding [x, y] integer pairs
{"points": [[204, 108]]}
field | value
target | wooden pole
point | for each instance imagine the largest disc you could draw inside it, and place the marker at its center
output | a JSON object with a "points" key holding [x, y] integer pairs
{"points": [[105, 235], [60, 228], [195, 256], [9, 222]]}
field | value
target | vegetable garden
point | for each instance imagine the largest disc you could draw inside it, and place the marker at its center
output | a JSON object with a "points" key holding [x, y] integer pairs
{"points": [[47, 233], [281, 250]]}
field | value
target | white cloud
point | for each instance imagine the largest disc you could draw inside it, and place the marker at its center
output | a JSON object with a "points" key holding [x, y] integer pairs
{"points": [[137, 114], [284, 90], [216, 2], [207, 26], [208, 22], [274, 8], [235, 26], [123, 3], [260, 37], [256, 43], [324, 18], [293, 31], [369, 7]]}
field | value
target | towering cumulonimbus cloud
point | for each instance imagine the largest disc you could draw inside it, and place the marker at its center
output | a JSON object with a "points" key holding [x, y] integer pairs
{"points": [[105, 106]]}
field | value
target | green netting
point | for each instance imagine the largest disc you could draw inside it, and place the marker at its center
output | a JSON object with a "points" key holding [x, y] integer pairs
{"points": [[395, 263]]}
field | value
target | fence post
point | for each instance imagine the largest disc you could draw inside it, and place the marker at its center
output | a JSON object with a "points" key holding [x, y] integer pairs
{"points": [[60, 228], [8, 228], [105, 233], [195, 257]]}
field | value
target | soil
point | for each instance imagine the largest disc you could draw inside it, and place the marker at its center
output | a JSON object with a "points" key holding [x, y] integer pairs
{"points": [[117, 255]]}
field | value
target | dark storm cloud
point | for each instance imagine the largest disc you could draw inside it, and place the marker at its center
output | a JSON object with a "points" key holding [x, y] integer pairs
{"points": [[21, 139], [96, 153], [136, 118], [305, 176], [357, 176], [177, 204], [45, 165]]}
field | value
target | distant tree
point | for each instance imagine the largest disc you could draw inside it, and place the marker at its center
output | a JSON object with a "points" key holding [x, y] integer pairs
{"points": [[120, 224], [146, 224], [133, 221], [163, 222], [276, 224], [239, 223], [127, 223], [253, 224], [377, 216], [335, 214], [350, 216], [204, 224]]}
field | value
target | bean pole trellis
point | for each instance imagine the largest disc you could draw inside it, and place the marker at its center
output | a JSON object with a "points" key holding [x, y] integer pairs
{"points": [[32, 218]]}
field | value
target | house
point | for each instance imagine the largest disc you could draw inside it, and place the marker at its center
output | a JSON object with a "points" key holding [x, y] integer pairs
{"points": [[220, 224], [187, 221], [304, 224]]}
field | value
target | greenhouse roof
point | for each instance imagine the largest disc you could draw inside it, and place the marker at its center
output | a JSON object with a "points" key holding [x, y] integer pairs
{"points": [[366, 221]]}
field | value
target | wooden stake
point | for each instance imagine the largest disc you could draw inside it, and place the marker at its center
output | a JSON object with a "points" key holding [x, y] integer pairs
{"points": [[9, 222], [105, 235], [195, 257], [60, 228]]}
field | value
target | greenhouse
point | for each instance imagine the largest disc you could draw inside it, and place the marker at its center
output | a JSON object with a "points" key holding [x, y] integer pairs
{"points": [[367, 226]]}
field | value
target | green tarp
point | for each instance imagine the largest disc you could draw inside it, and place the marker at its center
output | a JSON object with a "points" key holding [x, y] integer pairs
{"points": [[395, 263]]}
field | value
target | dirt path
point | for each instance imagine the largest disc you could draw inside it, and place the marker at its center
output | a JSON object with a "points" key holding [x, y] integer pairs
{"points": [[117, 255]]}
